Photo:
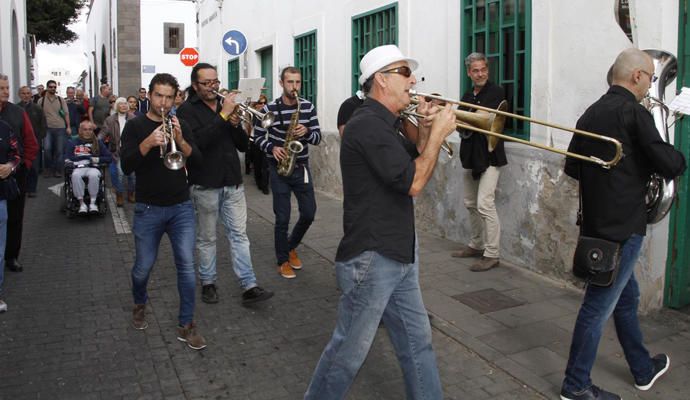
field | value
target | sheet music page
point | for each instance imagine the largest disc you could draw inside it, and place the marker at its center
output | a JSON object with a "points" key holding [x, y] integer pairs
{"points": [[681, 103], [250, 89]]}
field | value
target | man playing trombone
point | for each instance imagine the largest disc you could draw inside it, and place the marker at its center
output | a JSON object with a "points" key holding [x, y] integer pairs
{"points": [[163, 204], [217, 183], [377, 265], [481, 162]]}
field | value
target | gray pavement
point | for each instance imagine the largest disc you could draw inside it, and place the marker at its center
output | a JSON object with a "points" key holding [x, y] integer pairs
{"points": [[67, 334]]}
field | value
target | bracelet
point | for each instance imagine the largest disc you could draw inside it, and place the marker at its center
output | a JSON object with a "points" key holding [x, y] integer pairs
{"points": [[224, 116]]}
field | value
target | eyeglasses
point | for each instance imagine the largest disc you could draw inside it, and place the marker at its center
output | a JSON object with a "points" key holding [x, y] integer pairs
{"points": [[652, 77], [404, 71], [261, 103], [52, 87], [209, 83]]}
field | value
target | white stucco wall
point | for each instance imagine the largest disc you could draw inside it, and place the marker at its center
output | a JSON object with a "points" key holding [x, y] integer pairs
{"points": [[573, 45], [13, 54], [154, 13]]}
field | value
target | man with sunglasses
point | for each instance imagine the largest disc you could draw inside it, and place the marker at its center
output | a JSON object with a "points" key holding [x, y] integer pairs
{"points": [[377, 262], [482, 164], [271, 142], [614, 209], [58, 129], [217, 183]]}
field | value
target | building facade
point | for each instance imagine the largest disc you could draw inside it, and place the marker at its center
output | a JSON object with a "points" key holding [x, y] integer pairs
{"points": [[129, 41], [551, 57], [16, 50]]}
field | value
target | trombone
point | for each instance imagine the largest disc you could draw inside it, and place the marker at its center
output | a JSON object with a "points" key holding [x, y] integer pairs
{"points": [[492, 124], [247, 113], [413, 118]]}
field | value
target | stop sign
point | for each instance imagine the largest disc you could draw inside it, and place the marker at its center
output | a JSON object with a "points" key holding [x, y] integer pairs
{"points": [[189, 56]]}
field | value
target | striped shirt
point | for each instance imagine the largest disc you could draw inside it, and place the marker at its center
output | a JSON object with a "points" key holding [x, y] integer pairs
{"points": [[266, 139]]}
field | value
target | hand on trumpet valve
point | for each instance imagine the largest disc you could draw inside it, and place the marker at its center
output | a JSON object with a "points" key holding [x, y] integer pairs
{"points": [[156, 138]]}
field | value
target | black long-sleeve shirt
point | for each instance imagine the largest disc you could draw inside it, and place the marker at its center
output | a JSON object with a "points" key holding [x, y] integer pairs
{"points": [[474, 150], [156, 184], [218, 140], [613, 200], [378, 168]]}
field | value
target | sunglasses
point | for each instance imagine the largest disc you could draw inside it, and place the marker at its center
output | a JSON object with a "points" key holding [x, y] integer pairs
{"points": [[209, 83], [52, 87], [404, 71], [652, 77]]}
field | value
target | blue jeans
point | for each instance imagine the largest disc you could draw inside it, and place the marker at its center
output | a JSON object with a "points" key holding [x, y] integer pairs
{"points": [[620, 299], [116, 176], [282, 187], [53, 146], [374, 288], [150, 222], [3, 240], [232, 205]]}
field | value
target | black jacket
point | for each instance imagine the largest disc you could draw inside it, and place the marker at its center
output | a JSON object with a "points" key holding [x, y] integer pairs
{"points": [[613, 200], [218, 141]]}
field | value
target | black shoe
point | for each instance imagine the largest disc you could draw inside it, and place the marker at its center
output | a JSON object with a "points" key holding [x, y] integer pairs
{"points": [[661, 364], [209, 294], [593, 393], [255, 295], [265, 190], [31, 194], [13, 265]]}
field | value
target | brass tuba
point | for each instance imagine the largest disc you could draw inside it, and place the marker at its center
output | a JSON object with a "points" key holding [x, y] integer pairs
{"points": [[660, 191], [292, 144]]}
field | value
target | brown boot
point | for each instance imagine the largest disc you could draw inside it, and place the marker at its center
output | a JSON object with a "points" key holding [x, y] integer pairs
{"points": [[130, 197], [467, 252], [119, 199], [484, 264], [139, 317], [191, 336]]}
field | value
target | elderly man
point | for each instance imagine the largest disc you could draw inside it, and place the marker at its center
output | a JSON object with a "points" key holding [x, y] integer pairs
{"points": [[38, 122], [17, 118], [377, 265], [613, 208]]}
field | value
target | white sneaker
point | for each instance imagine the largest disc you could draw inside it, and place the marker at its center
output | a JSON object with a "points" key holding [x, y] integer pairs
{"points": [[3, 306], [83, 209], [93, 208]]}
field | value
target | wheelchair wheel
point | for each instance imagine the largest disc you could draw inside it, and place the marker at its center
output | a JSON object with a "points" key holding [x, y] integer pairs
{"points": [[102, 209], [63, 198]]}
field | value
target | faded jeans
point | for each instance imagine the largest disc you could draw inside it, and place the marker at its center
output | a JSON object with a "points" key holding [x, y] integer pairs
{"points": [[230, 203], [620, 299], [376, 288], [150, 223], [117, 176], [479, 199], [53, 147]]}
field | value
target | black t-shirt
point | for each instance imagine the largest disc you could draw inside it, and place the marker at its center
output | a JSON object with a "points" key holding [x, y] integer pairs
{"points": [[347, 109], [613, 200], [377, 170], [474, 151], [156, 184]]}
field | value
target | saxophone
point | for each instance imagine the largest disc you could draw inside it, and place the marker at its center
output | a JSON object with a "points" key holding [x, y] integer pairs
{"points": [[292, 145]]}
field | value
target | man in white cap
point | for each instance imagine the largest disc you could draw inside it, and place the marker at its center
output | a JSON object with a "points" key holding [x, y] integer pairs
{"points": [[377, 265]]}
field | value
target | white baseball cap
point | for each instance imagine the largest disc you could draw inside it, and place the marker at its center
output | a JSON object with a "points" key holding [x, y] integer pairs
{"points": [[379, 57]]}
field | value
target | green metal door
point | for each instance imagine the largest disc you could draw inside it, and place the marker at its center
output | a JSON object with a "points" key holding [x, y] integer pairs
{"points": [[233, 73], [677, 293], [267, 71]]}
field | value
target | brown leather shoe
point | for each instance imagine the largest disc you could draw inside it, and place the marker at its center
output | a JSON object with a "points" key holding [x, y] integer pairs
{"points": [[467, 252], [294, 260], [285, 270], [484, 264], [130, 197], [119, 199], [139, 317], [189, 335]]}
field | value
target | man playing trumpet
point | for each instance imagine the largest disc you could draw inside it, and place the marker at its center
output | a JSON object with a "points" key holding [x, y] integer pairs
{"points": [[162, 204]]}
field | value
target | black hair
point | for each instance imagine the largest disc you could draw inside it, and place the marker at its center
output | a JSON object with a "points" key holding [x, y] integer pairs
{"points": [[195, 76], [289, 70], [164, 79]]}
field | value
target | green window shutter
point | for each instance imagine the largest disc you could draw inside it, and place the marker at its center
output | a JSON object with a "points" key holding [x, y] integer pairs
{"points": [[305, 60], [369, 30], [267, 71], [501, 29], [233, 73]]}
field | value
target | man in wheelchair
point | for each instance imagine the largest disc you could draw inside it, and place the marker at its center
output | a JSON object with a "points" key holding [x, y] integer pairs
{"points": [[84, 154]]}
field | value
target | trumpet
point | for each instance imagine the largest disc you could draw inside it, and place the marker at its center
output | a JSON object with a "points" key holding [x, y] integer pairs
{"points": [[491, 123], [247, 113], [174, 159]]}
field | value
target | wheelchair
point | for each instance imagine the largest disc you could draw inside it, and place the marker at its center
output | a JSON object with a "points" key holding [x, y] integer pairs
{"points": [[70, 204]]}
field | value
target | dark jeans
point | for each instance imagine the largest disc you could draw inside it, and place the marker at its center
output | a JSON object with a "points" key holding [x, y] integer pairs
{"points": [[260, 166], [620, 299], [301, 185], [15, 216], [36, 167], [53, 146]]}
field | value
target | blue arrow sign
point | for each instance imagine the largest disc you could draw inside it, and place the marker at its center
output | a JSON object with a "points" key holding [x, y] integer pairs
{"points": [[234, 43]]}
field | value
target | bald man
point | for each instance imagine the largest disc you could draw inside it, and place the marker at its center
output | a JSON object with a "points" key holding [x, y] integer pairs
{"points": [[613, 208]]}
